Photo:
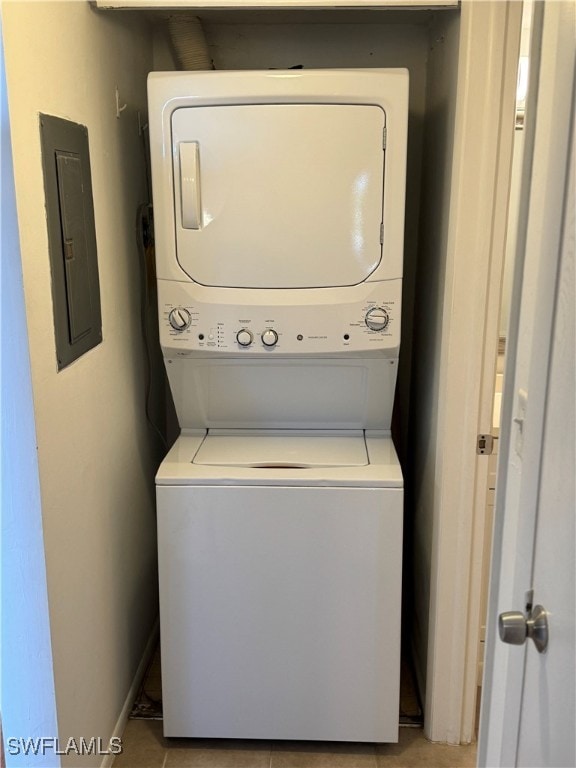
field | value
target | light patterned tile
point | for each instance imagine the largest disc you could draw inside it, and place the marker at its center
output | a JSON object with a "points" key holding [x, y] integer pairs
{"points": [[415, 751], [143, 745], [322, 754], [218, 753]]}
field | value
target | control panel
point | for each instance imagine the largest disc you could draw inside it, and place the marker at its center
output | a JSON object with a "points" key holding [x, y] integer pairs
{"points": [[327, 325]]}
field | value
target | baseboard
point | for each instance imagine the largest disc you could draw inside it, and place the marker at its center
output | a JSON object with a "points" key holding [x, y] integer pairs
{"points": [[134, 688]]}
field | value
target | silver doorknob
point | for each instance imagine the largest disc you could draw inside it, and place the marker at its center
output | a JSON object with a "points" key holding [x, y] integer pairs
{"points": [[514, 627]]}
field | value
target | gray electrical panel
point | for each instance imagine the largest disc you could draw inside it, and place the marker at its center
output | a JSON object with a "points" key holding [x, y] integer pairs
{"points": [[71, 238]]}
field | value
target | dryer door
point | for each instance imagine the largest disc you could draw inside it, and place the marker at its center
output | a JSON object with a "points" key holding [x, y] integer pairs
{"points": [[278, 195]]}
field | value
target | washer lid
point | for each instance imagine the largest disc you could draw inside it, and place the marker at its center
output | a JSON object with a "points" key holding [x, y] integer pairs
{"points": [[298, 450], [279, 195]]}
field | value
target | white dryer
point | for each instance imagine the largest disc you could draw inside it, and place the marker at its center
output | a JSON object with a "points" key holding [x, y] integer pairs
{"points": [[279, 214]]}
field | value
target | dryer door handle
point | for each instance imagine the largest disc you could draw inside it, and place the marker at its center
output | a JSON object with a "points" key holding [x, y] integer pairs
{"points": [[190, 184]]}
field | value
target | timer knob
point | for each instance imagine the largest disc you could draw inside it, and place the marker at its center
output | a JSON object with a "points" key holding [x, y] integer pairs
{"points": [[179, 318], [269, 337], [377, 319], [244, 337]]}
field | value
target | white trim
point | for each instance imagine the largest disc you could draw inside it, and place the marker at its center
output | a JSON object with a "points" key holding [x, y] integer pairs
{"points": [[484, 84], [263, 4], [501, 196], [122, 721]]}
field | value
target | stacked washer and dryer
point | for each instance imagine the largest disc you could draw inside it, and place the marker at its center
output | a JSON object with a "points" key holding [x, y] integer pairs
{"points": [[279, 216]]}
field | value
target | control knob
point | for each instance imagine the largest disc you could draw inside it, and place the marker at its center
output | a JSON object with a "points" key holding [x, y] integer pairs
{"points": [[179, 318], [269, 337], [244, 337], [377, 319]]}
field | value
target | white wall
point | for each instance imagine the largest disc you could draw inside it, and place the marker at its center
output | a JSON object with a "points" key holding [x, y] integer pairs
{"points": [[95, 452], [28, 703]]}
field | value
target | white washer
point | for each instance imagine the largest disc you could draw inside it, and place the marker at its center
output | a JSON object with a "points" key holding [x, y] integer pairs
{"points": [[280, 587], [278, 200]]}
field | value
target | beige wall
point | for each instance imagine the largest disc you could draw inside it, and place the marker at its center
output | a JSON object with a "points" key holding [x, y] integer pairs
{"points": [[95, 452]]}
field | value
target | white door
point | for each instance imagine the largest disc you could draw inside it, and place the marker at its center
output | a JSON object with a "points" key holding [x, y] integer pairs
{"points": [[279, 195], [528, 708]]}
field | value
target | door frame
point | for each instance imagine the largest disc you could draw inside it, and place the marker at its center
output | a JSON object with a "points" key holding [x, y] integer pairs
{"points": [[480, 179]]}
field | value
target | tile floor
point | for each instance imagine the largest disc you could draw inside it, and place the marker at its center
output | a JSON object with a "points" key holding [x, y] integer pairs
{"points": [[146, 747]]}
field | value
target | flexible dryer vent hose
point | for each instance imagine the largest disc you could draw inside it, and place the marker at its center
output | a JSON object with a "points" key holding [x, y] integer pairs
{"points": [[188, 42]]}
